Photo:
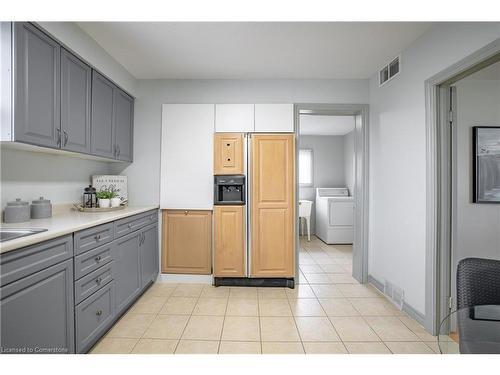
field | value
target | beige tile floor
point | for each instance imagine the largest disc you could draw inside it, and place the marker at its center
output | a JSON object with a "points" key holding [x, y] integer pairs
{"points": [[328, 312]]}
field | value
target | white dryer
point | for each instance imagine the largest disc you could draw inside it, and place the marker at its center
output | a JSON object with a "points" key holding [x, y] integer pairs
{"points": [[335, 215]]}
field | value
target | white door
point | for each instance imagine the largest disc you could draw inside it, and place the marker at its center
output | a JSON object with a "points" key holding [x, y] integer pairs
{"points": [[186, 180], [230, 118], [276, 118]]}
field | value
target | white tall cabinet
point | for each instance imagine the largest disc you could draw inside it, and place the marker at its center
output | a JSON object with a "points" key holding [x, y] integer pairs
{"points": [[234, 118], [273, 118], [187, 156]]}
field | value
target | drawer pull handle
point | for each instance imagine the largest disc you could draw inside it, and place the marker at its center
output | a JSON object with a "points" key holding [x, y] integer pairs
{"points": [[98, 258], [185, 212], [97, 237], [130, 226], [98, 280], [98, 312]]}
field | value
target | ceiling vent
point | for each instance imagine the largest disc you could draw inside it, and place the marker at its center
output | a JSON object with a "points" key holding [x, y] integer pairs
{"points": [[389, 71]]}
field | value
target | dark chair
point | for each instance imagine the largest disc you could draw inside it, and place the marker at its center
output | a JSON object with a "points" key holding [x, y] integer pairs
{"points": [[478, 283]]}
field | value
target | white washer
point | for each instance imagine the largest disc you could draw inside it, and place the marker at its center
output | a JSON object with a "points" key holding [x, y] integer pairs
{"points": [[335, 215]]}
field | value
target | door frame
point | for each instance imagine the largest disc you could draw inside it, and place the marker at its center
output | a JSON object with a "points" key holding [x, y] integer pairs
{"points": [[360, 111], [439, 158]]}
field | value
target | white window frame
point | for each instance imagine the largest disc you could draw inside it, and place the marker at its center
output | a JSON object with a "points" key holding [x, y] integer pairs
{"points": [[307, 184]]}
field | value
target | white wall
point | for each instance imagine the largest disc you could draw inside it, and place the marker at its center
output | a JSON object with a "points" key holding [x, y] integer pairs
{"points": [[328, 166], [349, 161], [151, 94], [477, 231], [81, 43], [398, 154], [29, 175]]}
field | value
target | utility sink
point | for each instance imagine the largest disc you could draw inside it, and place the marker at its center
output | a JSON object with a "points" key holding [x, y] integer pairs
{"points": [[11, 234]]}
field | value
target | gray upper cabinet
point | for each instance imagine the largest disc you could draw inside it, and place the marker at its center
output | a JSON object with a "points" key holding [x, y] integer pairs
{"points": [[149, 254], [76, 79], [124, 119], [61, 102], [102, 125], [37, 313], [36, 87], [127, 270]]}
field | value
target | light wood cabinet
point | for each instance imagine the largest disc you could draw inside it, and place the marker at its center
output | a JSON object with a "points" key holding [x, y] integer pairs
{"points": [[274, 118], [229, 241], [228, 153], [187, 242], [272, 205]]}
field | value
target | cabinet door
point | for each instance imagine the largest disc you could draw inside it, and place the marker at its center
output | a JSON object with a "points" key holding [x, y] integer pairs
{"points": [[124, 120], [272, 205], [228, 153], [149, 254], [187, 242], [274, 118], [187, 154], [234, 118], [229, 241], [37, 312], [76, 78], [127, 270], [102, 130], [37, 89]]}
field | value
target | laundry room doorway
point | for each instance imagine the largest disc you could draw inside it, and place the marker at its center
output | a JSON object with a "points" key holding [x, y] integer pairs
{"points": [[332, 199]]}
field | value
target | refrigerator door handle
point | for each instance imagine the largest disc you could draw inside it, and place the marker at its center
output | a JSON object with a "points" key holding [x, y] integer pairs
{"points": [[248, 166]]}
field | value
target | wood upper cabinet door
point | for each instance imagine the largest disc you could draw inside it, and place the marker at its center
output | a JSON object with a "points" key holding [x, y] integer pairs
{"points": [[123, 123], [228, 153], [229, 241], [274, 118], [102, 123], [76, 79], [272, 205], [187, 242], [37, 88], [234, 118]]}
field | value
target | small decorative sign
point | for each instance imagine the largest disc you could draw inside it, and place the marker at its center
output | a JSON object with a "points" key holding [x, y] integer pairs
{"points": [[111, 182]]}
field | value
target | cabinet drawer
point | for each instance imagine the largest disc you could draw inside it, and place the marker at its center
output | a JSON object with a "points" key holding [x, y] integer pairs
{"points": [[92, 260], [93, 237], [28, 260], [93, 316], [132, 223], [92, 282]]}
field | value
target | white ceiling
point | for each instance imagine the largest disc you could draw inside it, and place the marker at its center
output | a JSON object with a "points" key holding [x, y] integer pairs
{"points": [[253, 50], [326, 125]]}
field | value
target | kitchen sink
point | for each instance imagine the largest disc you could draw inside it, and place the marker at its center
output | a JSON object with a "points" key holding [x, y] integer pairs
{"points": [[11, 234]]}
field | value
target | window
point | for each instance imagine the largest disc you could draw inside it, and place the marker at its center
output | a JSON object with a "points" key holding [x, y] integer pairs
{"points": [[305, 167]]}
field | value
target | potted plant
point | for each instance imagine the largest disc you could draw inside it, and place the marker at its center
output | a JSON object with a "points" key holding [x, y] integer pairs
{"points": [[106, 197]]}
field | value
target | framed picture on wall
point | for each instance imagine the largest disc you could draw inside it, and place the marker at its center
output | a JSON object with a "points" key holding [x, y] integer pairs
{"points": [[486, 164]]}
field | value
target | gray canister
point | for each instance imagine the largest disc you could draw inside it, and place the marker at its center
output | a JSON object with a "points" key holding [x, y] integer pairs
{"points": [[41, 208], [17, 211]]}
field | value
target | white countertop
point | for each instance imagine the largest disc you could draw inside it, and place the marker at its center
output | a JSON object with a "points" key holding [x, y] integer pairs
{"points": [[65, 219]]}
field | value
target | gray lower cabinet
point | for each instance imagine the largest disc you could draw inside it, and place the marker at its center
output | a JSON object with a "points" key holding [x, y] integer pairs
{"points": [[37, 313], [76, 79], [93, 316], [127, 270], [102, 123], [149, 254], [124, 120], [36, 86]]}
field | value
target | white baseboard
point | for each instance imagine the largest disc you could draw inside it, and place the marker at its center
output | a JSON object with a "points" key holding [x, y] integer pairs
{"points": [[188, 279]]}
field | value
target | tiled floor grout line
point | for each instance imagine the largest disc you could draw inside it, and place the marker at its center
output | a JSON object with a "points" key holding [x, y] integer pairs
{"points": [[223, 322], [189, 319]]}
